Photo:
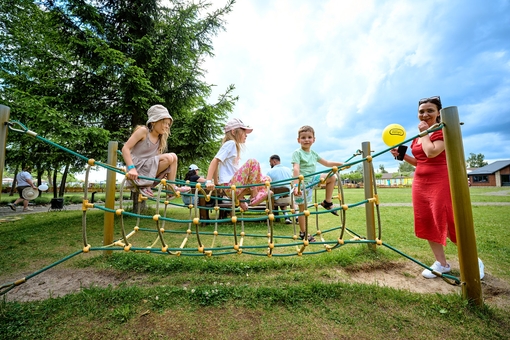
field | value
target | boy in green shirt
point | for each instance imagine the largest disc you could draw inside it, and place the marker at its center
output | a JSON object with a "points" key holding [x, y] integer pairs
{"points": [[304, 161]]}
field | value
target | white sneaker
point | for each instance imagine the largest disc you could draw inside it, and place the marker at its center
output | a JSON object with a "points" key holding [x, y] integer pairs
{"points": [[288, 221], [481, 268], [28, 209], [437, 267]]}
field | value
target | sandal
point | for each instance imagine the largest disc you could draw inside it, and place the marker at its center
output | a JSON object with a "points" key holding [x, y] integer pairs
{"points": [[146, 191], [183, 189], [310, 237], [329, 206], [261, 195]]}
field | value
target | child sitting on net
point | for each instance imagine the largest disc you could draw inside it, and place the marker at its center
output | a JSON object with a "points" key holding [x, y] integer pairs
{"points": [[144, 152], [226, 165]]}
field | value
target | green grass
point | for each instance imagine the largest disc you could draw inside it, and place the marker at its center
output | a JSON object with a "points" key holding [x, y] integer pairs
{"points": [[245, 296]]}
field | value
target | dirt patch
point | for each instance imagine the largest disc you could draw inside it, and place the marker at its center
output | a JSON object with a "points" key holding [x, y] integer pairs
{"points": [[400, 275]]}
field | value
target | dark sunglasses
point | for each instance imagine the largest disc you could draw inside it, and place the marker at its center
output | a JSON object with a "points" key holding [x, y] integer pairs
{"points": [[434, 99]]}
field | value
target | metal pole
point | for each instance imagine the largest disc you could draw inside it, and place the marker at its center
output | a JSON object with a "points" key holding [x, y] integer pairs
{"points": [[463, 214], [369, 193], [110, 196], [4, 118]]}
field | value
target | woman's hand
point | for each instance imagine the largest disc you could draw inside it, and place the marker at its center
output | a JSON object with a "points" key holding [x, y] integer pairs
{"points": [[394, 152], [422, 126]]}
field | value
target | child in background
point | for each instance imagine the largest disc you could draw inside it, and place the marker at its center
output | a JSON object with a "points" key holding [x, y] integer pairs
{"points": [[304, 161], [192, 176], [144, 152], [225, 168]]}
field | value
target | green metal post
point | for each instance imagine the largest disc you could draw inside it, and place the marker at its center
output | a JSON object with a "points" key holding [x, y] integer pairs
{"points": [[463, 214], [369, 193], [110, 196]]}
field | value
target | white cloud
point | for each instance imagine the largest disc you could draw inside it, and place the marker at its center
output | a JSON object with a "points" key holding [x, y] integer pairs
{"points": [[351, 68]]}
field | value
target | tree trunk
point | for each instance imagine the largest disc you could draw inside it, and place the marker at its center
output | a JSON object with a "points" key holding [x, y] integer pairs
{"points": [[143, 204], [55, 183], [63, 182]]}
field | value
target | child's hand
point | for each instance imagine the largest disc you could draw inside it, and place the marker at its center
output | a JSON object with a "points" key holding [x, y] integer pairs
{"points": [[209, 185], [132, 174]]}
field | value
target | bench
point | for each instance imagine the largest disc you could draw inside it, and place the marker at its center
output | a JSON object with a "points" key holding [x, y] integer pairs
{"points": [[281, 202]]}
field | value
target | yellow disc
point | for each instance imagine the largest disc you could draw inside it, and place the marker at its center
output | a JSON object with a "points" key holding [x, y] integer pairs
{"points": [[393, 134]]}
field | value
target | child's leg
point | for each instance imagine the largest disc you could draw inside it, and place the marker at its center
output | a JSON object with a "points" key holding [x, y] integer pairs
{"points": [[248, 173], [167, 165], [330, 186]]}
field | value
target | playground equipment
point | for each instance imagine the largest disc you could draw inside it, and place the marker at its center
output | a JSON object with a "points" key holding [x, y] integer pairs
{"points": [[468, 257]]}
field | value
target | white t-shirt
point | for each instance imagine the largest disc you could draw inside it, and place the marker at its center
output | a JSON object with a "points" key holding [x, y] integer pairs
{"points": [[228, 161]]}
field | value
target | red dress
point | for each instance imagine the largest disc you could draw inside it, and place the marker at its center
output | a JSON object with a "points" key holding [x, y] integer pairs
{"points": [[432, 201]]}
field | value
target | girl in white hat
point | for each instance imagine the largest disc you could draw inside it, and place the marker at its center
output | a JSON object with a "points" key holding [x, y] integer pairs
{"points": [[144, 152], [230, 172]]}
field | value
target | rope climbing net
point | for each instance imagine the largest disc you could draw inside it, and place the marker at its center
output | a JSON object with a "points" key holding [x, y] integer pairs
{"points": [[226, 235]]}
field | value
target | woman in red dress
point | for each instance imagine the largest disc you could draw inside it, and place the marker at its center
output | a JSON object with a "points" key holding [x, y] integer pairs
{"points": [[432, 202]]}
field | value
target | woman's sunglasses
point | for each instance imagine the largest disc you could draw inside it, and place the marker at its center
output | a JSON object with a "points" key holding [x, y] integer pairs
{"points": [[435, 99]]}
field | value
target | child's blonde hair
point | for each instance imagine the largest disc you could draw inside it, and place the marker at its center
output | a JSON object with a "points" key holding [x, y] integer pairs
{"points": [[306, 128], [235, 136], [161, 137]]}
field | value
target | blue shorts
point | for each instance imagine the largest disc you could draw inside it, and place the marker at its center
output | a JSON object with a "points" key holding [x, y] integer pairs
{"points": [[299, 199]]}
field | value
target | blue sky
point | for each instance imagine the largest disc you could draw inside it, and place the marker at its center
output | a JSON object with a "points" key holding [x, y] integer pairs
{"points": [[350, 68]]}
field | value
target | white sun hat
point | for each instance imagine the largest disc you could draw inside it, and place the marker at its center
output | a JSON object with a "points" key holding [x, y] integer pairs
{"points": [[30, 193]]}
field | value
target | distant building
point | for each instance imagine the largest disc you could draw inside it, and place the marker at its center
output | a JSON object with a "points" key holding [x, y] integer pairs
{"points": [[395, 180], [496, 174]]}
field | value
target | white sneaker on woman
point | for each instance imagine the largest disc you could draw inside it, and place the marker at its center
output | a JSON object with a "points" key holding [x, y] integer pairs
{"points": [[437, 267], [481, 268]]}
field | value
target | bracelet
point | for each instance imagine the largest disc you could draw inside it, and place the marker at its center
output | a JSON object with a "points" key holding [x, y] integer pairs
{"points": [[208, 181], [132, 166]]}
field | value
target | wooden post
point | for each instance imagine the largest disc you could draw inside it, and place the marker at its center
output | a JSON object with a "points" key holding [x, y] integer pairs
{"points": [[369, 193], [463, 214], [110, 196]]}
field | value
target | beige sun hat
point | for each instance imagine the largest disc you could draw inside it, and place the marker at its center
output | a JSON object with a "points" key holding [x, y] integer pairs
{"points": [[30, 193], [158, 112]]}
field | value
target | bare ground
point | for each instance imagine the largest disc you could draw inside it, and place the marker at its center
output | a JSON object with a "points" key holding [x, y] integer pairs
{"points": [[401, 275]]}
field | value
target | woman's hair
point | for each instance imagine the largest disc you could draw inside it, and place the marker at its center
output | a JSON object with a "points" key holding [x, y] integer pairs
{"points": [[162, 137], [189, 174], [436, 100], [235, 136]]}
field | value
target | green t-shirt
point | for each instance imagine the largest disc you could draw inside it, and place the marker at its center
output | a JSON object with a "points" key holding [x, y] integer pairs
{"points": [[307, 162]]}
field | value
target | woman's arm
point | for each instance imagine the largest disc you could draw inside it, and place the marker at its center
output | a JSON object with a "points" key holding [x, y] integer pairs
{"points": [[431, 148], [409, 159]]}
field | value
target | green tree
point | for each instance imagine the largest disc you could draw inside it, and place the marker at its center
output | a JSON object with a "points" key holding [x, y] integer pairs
{"points": [[476, 161], [86, 72], [382, 169], [405, 168]]}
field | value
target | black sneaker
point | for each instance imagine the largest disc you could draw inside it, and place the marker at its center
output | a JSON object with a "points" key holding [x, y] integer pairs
{"points": [[310, 237], [12, 206]]}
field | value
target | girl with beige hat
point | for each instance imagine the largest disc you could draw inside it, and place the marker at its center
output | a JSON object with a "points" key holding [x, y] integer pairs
{"points": [[145, 151]]}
